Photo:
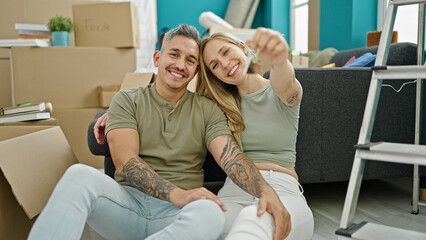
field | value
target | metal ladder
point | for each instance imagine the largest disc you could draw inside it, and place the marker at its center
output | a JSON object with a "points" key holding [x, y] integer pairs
{"points": [[384, 151]]}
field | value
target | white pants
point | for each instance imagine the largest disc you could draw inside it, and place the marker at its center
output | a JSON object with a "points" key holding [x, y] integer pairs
{"points": [[242, 222]]}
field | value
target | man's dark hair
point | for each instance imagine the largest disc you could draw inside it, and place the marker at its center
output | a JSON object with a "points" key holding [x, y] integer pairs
{"points": [[183, 30]]}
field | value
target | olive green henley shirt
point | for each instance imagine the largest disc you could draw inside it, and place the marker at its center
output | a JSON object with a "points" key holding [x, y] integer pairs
{"points": [[173, 141]]}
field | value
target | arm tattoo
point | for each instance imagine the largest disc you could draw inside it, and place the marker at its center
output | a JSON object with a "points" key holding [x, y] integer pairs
{"points": [[241, 169], [293, 98], [144, 178]]}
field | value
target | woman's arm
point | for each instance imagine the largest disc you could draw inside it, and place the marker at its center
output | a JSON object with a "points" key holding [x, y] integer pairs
{"points": [[273, 48]]}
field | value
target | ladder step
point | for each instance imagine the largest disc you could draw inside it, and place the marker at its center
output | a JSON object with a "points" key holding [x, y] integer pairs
{"points": [[393, 152], [373, 231], [399, 72], [405, 2]]}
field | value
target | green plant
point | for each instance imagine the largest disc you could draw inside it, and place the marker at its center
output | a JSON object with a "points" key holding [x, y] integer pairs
{"points": [[60, 23]]}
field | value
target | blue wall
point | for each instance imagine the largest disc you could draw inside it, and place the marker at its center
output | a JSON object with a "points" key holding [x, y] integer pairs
{"points": [[366, 21], [270, 13], [344, 23], [172, 13]]}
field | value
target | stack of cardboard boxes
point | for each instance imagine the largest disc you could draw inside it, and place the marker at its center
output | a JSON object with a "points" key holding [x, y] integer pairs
{"points": [[35, 157]]}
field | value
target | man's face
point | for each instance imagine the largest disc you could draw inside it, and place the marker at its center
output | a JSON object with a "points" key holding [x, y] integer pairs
{"points": [[177, 63]]}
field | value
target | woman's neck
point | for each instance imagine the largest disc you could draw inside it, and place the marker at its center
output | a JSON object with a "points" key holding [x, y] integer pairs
{"points": [[253, 83]]}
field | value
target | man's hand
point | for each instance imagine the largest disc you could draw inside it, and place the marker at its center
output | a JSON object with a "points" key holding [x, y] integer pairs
{"points": [[270, 203], [99, 128], [180, 197]]}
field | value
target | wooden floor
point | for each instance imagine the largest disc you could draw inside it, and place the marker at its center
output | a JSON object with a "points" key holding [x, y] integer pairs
{"points": [[381, 201]]}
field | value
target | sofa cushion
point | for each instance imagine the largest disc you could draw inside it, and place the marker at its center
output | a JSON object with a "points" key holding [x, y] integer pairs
{"points": [[399, 54], [366, 60]]}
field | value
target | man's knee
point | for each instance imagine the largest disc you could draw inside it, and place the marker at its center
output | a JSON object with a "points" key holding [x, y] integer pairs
{"points": [[78, 170], [79, 177], [81, 173]]}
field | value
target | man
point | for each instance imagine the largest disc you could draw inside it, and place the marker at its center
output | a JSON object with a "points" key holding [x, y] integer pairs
{"points": [[158, 137]]}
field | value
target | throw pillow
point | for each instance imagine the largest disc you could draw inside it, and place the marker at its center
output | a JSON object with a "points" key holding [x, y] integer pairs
{"points": [[365, 60], [350, 60], [320, 58]]}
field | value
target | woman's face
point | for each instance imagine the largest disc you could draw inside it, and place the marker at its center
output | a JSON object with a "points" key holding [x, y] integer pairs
{"points": [[225, 60]]}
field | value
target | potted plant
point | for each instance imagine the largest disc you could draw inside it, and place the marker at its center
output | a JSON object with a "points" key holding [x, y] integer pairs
{"points": [[60, 27]]}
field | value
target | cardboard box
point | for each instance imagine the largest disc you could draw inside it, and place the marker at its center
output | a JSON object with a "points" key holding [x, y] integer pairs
{"points": [[131, 80], [68, 77], [298, 61], [46, 122], [313, 25], [106, 94], [135, 80], [33, 11], [106, 24], [5, 78], [74, 123], [33, 160], [192, 85]]}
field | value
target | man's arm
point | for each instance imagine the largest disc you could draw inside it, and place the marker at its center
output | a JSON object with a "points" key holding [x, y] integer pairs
{"points": [[237, 165], [124, 148], [244, 173]]}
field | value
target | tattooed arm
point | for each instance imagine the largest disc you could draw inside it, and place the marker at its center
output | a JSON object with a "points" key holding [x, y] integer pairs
{"points": [[124, 148], [237, 165], [244, 173]]}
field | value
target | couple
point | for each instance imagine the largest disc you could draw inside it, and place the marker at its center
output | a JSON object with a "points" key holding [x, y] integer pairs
{"points": [[159, 135]]}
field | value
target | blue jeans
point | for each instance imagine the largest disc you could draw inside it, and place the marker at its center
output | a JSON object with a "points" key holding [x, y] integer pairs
{"points": [[120, 212]]}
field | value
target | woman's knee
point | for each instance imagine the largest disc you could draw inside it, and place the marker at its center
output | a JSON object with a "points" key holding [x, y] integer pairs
{"points": [[250, 213], [207, 216], [250, 226]]}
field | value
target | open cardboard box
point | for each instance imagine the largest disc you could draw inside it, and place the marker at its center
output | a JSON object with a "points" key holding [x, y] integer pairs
{"points": [[74, 123], [106, 93], [135, 80], [131, 80], [298, 61], [33, 159]]}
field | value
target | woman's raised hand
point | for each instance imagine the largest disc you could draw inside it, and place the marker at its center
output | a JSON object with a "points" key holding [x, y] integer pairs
{"points": [[270, 44]]}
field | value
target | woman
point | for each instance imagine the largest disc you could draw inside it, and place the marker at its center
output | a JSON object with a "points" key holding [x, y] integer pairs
{"points": [[263, 116]]}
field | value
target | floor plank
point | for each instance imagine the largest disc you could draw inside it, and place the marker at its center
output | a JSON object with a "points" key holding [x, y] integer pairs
{"points": [[381, 201]]}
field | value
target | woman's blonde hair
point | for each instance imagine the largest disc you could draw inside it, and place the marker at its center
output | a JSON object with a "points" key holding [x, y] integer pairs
{"points": [[225, 95]]}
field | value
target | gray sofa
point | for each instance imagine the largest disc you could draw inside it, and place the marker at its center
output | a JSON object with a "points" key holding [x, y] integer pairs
{"points": [[331, 114], [330, 119]]}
